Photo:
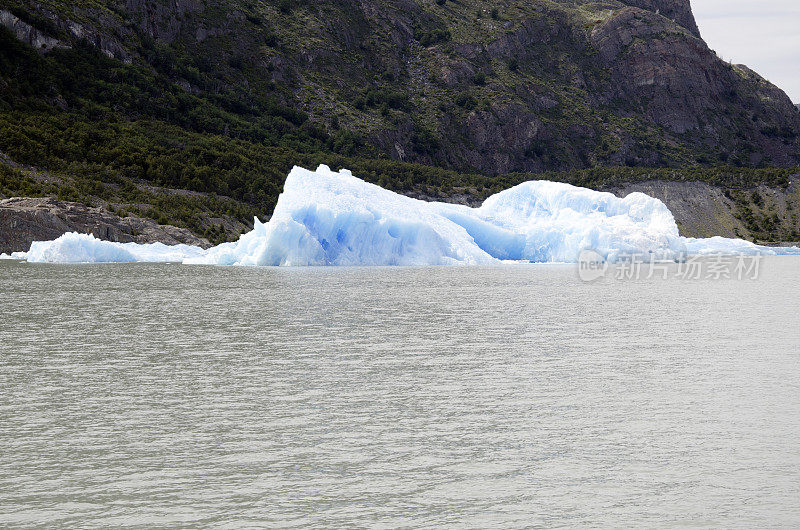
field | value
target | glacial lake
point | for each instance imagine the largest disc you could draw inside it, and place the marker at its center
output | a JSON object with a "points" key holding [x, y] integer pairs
{"points": [[511, 396]]}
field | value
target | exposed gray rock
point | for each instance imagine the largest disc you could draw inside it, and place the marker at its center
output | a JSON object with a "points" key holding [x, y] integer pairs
{"points": [[28, 34], [24, 220], [679, 11]]}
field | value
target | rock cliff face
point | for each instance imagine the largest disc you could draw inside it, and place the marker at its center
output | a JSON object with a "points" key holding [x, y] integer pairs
{"points": [[679, 85], [469, 85], [28, 34], [24, 220], [679, 11]]}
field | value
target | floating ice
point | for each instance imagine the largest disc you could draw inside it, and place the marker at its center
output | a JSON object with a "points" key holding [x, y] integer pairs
{"points": [[332, 218], [725, 246], [85, 248], [329, 218]]}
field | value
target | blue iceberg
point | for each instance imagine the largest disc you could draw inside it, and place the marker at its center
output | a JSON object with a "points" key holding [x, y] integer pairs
{"points": [[73, 247], [325, 217]]}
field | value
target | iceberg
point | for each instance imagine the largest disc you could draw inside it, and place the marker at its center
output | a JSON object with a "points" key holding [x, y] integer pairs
{"points": [[73, 247], [333, 218], [733, 247], [325, 217]]}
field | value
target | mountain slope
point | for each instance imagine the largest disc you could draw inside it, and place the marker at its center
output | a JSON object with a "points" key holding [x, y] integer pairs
{"points": [[472, 85], [223, 97]]}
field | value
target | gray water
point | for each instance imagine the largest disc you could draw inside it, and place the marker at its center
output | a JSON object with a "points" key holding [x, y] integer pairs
{"points": [[511, 396]]}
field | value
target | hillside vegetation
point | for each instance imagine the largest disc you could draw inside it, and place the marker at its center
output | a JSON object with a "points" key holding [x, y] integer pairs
{"points": [[112, 103]]}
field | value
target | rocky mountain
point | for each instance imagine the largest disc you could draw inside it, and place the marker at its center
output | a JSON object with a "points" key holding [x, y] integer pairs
{"points": [[477, 86], [223, 96]]}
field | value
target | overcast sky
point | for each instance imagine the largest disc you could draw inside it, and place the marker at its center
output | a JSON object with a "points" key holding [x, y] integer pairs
{"points": [[763, 34]]}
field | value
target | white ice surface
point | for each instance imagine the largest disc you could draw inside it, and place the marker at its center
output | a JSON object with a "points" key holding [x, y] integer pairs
{"points": [[725, 246], [332, 218], [85, 248]]}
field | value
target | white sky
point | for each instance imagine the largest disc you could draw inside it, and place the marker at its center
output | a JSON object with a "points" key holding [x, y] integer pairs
{"points": [[763, 34]]}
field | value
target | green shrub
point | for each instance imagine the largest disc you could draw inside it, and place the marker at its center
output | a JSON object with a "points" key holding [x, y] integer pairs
{"points": [[466, 100], [429, 38]]}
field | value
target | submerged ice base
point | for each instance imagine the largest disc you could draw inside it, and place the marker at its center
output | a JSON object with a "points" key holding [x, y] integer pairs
{"points": [[333, 218]]}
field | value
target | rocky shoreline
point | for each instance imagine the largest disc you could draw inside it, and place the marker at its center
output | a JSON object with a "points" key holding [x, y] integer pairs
{"points": [[24, 220]]}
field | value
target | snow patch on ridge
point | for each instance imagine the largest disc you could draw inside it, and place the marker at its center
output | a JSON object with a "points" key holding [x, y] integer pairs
{"points": [[332, 218]]}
